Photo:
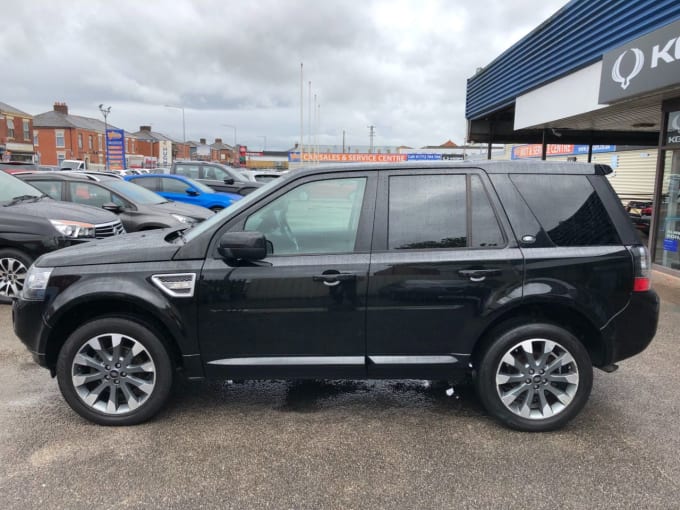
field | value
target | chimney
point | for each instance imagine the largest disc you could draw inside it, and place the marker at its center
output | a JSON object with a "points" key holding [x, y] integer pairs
{"points": [[61, 108], [202, 140], [218, 140], [145, 128]]}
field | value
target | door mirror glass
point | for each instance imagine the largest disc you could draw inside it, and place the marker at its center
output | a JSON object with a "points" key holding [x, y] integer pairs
{"points": [[192, 192], [243, 246]]}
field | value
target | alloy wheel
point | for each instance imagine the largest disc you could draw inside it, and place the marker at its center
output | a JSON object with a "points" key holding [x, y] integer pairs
{"points": [[113, 373], [537, 379], [12, 276]]}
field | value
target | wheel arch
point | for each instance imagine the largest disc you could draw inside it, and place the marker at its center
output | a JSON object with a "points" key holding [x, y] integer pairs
{"points": [[561, 315], [97, 308]]}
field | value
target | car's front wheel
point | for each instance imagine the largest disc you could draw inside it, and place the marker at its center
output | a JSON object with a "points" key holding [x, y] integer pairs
{"points": [[14, 265], [114, 371], [534, 377]]}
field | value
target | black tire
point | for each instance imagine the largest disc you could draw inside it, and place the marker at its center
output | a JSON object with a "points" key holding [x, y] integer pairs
{"points": [[533, 393], [13, 267], [149, 348]]}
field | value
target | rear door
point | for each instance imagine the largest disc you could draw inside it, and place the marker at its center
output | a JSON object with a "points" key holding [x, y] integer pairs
{"points": [[443, 258]]}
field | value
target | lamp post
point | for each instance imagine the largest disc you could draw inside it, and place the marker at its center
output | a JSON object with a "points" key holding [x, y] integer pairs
{"points": [[265, 141], [184, 127], [232, 127], [105, 113]]}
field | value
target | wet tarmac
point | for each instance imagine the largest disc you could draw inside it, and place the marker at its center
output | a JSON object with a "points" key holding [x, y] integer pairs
{"points": [[345, 444]]}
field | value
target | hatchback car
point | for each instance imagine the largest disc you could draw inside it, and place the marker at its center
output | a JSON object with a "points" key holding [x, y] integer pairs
{"points": [[183, 189], [137, 208], [523, 275]]}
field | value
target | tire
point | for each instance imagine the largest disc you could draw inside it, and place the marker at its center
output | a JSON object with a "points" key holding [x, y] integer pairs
{"points": [[107, 394], [14, 265], [534, 377]]}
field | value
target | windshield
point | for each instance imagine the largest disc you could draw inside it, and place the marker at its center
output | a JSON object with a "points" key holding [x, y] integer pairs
{"points": [[228, 211], [135, 193], [11, 187]]}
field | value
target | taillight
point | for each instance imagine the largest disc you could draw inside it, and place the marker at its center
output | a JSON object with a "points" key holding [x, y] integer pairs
{"points": [[642, 280]]}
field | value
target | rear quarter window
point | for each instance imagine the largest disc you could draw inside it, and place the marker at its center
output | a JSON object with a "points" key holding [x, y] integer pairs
{"points": [[568, 208]]}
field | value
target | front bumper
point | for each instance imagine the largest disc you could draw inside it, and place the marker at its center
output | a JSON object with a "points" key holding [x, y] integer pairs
{"points": [[632, 330], [30, 328]]}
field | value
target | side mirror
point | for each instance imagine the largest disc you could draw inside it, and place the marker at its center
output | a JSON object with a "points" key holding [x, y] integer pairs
{"points": [[114, 208], [243, 245], [228, 180], [192, 192]]}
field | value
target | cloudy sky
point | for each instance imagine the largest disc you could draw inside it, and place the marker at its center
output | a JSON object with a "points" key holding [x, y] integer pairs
{"points": [[400, 65]]}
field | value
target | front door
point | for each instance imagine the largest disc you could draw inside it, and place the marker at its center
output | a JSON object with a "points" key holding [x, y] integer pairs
{"points": [[443, 257], [300, 312]]}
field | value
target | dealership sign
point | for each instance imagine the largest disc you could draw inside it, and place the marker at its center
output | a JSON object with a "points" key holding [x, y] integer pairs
{"points": [[673, 128], [339, 157], [115, 149], [534, 150], [648, 63]]}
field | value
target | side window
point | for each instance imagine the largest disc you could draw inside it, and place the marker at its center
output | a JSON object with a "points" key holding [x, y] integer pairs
{"points": [[316, 217], [88, 194], [568, 208], [190, 171], [174, 186], [151, 183], [211, 172], [118, 200], [52, 189], [427, 211], [485, 231]]}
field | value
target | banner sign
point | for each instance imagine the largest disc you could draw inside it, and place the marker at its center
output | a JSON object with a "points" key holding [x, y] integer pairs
{"points": [[534, 150], [339, 157], [164, 153], [115, 149]]}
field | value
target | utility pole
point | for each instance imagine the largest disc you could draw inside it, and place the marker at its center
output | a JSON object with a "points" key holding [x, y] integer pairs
{"points": [[343, 141], [105, 113], [302, 102], [371, 135]]}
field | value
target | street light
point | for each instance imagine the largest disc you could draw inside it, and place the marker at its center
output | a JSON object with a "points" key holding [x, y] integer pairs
{"points": [[232, 127], [184, 127], [105, 113], [265, 141]]}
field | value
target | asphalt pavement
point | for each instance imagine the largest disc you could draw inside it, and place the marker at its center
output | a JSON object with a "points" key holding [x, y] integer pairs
{"points": [[346, 444]]}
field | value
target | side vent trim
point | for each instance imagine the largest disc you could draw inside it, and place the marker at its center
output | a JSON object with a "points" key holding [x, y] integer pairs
{"points": [[176, 284]]}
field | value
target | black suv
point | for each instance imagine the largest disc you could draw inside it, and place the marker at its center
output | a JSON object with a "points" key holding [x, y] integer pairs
{"points": [[524, 275], [32, 224], [218, 177]]}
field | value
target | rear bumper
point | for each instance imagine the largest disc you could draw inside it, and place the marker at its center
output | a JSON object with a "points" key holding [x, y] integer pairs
{"points": [[632, 330]]}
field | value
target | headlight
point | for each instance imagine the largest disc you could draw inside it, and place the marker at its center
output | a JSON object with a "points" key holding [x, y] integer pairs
{"points": [[73, 229], [184, 219], [36, 282]]}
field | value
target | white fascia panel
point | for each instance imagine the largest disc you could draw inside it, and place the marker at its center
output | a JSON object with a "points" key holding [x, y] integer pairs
{"points": [[575, 94]]}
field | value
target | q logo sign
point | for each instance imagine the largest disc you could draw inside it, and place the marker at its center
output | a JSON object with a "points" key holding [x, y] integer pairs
{"points": [[616, 69]]}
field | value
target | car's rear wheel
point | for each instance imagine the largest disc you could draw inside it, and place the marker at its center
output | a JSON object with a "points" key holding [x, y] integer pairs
{"points": [[534, 377], [14, 265], [114, 371]]}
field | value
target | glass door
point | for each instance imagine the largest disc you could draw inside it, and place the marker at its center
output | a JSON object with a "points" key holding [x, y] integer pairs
{"points": [[667, 251]]}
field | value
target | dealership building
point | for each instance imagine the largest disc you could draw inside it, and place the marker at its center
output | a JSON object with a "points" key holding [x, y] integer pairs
{"points": [[595, 75]]}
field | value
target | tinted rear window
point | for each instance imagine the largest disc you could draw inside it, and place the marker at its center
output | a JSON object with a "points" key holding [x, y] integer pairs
{"points": [[568, 208]]}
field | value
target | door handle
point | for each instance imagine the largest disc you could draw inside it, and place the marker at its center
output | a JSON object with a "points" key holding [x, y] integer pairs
{"points": [[478, 275], [333, 279]]}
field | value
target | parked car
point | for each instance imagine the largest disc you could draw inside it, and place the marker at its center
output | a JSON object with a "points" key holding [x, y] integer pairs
{"points": [[218, 177], [523, 275], [640, 213], [261, 175], [183, 189], [32, 224], [73, 164], [13, 167], [137, 208]]}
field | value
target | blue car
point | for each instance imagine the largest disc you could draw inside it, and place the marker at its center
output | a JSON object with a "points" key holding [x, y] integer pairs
{"points": [[183, 189]]}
